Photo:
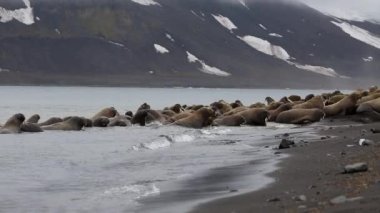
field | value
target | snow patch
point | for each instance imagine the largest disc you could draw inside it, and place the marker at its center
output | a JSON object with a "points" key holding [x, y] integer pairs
{"points": [[263, 27], [359, 34], [146, 2], [160, 49], [368, 59], [117, 44], [317, 69], [206, 68], [4, 70], [275, 35], [168, 36], [242, 2], [57, 31], [23, 15], [266, 47], [225, 22]]}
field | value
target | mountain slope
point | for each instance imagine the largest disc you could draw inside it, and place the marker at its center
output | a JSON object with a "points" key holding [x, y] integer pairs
{"points": [[183, 43]]}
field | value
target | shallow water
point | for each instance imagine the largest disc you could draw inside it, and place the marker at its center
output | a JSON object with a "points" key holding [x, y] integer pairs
{"points": [[131, 168]]}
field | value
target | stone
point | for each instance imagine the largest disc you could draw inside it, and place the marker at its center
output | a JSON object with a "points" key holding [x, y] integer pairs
{"points": [[365, 142], [354, 168], [275, 199], [300, 198], [286, 144], [338, 200]]}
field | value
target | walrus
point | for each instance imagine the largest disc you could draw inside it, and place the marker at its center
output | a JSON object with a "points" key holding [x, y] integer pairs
{"points": [[334, 99], [316, 102], [33, 119], [129, 114], [177, 108], [371, 109], [294, 98], [13, 124], [370, 97], [182, 115], [269, 100], [100, 122], [236, 104], [51, 121], [221, 107], [274, 105], [308, 97], [120, 121], [284, 100], [144, 117], [230, 120], [300, 116], [236, 110], [144, 106], [109, 112], [257, 105], [346, 106], [169, 113], [254, 116], [201, 118], [72, 124], [274, 113], [30, 127]]}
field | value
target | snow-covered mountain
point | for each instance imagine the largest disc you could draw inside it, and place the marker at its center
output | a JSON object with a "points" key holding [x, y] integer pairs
{"points": [[213, 43]]}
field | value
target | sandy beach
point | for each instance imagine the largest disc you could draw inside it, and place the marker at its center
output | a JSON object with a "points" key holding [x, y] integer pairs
{"points": [[312, 179]]}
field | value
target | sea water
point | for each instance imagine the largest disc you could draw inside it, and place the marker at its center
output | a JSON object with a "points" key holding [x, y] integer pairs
{"points": [[130, 169]]}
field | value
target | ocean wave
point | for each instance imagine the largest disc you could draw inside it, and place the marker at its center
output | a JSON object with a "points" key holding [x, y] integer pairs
{"points": [[139, 191], [165, 141]]}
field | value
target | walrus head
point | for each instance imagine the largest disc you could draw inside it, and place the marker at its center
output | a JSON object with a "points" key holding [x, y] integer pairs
{"points": [[144, 106], [76, 122], [269, 100], [176, 108], [129, 113], [308, 97], [34, 119], [15, 120]]}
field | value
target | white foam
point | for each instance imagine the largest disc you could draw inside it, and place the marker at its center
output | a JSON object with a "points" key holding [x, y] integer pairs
{"points": [[146, 2], [275, 35], [139, 190], [183, 138], [23, 15], [206, 68], [225, 22], [160, 49], [359, 34], [242, 2], [4, 70], [266, 47]]}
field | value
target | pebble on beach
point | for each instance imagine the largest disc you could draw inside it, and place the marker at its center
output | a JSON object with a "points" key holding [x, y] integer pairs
{"points": [[354, 168]]}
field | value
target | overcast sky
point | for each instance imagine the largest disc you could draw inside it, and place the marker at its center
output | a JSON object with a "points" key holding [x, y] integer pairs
{"points": [[358, 9]]}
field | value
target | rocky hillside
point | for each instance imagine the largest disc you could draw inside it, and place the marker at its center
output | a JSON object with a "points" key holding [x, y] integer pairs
{"points": [[213, 43]]}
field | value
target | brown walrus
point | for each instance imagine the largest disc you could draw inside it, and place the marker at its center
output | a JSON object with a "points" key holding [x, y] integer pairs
{"points": [[254, 116], [294, 98], [300, 116], [236, 110], [33, 119], [346, 106], [100, 122], [369, 98], [144, 117], [13, 124], [109, 112], [314, 103], [51, 121], [30, 127], [221, 107], [72, 124], [257, 105], [182, 115], [236, 104], [334, 99], [371, 109], [269, 100], [120, 121], [201, 118], [230, 120], [274, 113]]}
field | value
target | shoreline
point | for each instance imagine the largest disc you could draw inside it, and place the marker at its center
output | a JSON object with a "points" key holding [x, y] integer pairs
{"points": [[311, 177]]}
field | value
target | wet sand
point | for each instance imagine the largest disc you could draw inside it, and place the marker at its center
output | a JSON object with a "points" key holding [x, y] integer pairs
{"points": [[310, 179]]}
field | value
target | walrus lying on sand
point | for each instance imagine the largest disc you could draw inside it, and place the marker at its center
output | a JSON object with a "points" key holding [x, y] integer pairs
{"points": [[51, 121], [371, 109], [300, 116], [346, 106], [13, 124]]}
